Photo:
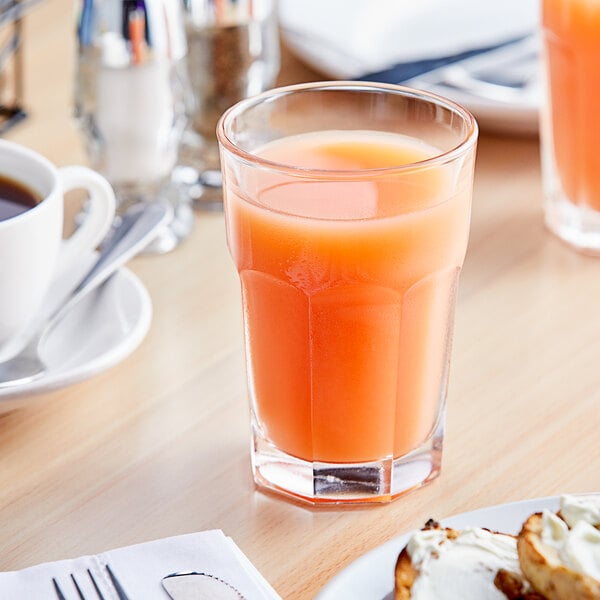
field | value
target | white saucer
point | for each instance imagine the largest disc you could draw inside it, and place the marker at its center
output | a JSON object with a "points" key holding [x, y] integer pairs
{"points": [[99, 332]]}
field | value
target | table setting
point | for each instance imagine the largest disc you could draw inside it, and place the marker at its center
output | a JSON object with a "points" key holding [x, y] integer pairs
{"points": [[258, 374], [483, 56]]}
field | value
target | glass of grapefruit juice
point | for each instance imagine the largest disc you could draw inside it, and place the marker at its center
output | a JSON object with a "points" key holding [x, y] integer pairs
{"points": [[570, 124], [347, 209]]}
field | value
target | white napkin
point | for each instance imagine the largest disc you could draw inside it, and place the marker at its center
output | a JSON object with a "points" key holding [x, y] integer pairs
{"points": [[346, 39], [140, 569]]}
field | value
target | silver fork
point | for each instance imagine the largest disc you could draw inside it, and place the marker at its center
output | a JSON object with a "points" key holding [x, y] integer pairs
{"points": [[113, 578]]}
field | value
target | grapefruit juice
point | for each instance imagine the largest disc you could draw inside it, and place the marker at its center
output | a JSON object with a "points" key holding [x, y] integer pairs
{"points": [[348, 288]]}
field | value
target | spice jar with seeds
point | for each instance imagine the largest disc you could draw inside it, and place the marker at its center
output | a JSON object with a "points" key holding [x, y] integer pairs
{"points": [[233, 53]]}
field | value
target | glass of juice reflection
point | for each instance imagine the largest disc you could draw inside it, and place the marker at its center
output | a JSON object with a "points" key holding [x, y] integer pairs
{"points": [[347, 208], [570, 125]]}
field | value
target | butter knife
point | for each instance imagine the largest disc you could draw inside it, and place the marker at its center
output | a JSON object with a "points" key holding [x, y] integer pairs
{"points": [[199, 586]]}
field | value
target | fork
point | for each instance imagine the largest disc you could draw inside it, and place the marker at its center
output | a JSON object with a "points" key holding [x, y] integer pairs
{"points": [[118, 588]]}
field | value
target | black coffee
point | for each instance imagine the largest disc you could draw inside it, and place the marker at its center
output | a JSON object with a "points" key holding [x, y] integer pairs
{"points": [[15, 198]]}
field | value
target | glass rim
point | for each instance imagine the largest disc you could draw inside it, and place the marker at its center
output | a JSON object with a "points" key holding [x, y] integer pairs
{"points": [[467, 141]]}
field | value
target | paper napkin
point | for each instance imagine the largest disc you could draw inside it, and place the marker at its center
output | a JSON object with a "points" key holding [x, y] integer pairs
{"points": [[140, 569]]}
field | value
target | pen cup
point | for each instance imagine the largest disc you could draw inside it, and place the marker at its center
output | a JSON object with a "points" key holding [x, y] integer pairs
{"points": [[347, 208]]}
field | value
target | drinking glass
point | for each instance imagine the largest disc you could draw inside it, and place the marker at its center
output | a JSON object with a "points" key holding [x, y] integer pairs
{"points": [[347, 209], [570, 126], [131, 97]]}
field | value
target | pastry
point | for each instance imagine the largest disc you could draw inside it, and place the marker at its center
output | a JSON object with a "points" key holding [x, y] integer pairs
{"points": [[560, 553]]}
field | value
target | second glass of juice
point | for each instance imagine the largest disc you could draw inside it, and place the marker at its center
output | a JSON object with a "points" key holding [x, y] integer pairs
{"points": [[347, 209], [570, 123]]}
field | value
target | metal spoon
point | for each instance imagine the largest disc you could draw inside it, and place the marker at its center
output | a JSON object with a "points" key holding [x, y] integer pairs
{"points": [[137, 228], [199, 586]]}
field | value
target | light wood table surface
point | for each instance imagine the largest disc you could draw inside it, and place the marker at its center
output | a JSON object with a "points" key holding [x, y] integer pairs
{"points": [[159, 445]]}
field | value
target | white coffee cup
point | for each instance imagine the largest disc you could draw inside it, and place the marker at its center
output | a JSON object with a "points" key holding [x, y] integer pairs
{"points": [[32, 249]]}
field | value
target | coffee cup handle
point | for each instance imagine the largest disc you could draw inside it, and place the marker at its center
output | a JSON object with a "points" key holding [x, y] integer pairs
{"points": [[99, 214]]}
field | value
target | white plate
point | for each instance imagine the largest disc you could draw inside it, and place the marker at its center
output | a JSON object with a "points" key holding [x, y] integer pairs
{"points": [[519, 117], [99, 332], [371, 577]]}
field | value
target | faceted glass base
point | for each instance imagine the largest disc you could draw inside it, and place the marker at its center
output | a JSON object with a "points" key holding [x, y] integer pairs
{"points": [[335, 483], [577, 225]]}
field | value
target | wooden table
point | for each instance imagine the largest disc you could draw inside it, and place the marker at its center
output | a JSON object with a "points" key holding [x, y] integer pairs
{"points": [[158, 445]]}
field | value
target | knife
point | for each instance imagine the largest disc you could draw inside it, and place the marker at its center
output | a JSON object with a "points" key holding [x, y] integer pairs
{"points": [[199, 586]]}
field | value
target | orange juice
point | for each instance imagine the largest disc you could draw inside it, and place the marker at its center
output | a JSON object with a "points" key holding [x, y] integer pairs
{"points": [[348, 284], [572, 44]]}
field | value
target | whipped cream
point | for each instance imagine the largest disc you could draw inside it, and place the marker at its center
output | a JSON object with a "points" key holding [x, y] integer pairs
{"points": [[575, 540], [464, 567], [580, 508]]}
